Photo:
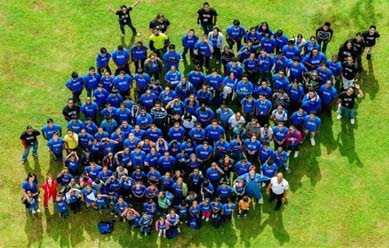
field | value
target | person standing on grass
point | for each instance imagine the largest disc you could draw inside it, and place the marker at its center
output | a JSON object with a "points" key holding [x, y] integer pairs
{"points": [[370, 36], [311, 125], [324, 35], [50, 190], [75, 85], [29, 140], [278, 189], [206, 17], [51, 128], [125, 18], [102, 61], [327, 94], [346, 101]]}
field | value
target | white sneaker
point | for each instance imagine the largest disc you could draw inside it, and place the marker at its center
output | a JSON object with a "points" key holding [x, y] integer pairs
{"points": [[207, 219], [38, 210], [296, 154], [260, 201], [287, 170], [352, 121], [339, 117], [137, 34], [178, 230], [33, 211], [288, 152], [313, 142]]}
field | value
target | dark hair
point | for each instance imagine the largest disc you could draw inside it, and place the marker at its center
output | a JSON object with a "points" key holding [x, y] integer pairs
{"points": [[91, 68], [74, 75], [123, 6], [372, 26], [205, 4], [120, 48], [103, 50], [172, 46], [31, 174], [327, 24]]}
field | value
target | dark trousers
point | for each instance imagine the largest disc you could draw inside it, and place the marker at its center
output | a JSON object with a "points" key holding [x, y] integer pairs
{"points": [[291, 148], [207, 27], [323, 48], [217, 53], [186, 51], [326, 109], [122, 25], [141, 62], [76, 96], [101, 70], [278, 197], [263, 119], [238, 44], [125, 68]]}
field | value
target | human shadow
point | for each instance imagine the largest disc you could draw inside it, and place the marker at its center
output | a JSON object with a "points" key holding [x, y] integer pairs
{"points": [[34, 229], [275, 221], [57, 228], [346, 142], [369, 83], [328, 140], [123, 41], [36, 168]]}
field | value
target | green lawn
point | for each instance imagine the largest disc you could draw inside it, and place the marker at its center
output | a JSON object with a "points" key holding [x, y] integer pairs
{"points": [[339, 193]]}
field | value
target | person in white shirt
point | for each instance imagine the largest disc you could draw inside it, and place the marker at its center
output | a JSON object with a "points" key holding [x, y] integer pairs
{"points": [[236, 119], [278, 189]]}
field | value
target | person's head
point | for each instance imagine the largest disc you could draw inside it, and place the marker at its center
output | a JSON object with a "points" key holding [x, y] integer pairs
{"points": [[280, 108], [280, 125], [314, 52], [74, 75], [280, 177], [350, 91], [215, 30], [172, 47], [245, 198], [349, 44], [160, 17], [191, 32], [206, 6], [372, 29], [292, 128], [123, 8], [31, 177], [70, 132], [236, 23], [350, 60]]}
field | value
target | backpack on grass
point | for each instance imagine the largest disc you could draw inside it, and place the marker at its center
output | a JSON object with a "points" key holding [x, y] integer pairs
{"points": [[105, 227]]}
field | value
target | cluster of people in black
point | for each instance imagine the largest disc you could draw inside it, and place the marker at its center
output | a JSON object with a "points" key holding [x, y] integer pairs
{"points": [[159, 148]]}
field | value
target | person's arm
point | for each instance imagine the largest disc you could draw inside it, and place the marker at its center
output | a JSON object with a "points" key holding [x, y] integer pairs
{"points": [[214, 19], [360, 93], [268, 188], [111, 10], [283, 199], [135, 4]]}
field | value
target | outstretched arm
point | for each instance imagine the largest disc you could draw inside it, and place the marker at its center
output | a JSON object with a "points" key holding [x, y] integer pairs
{"points": [[135, 4], [111, 10]]}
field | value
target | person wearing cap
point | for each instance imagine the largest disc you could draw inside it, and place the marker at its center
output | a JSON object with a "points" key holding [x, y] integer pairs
{"points": [[89, 108], [280, 81], [125, 18], [278, 189], [253, 182], [123, 83], [75, 85], [76, 125], [324, 35], [29, 139], [91, 80], [102, 61], [138, 55], [290, 50], [293, 139], [280, 40], [206, 18], [120, 57], [100, 96], [265, 65], [51, 128], [235, 33], [296, 70], [370, 37]]}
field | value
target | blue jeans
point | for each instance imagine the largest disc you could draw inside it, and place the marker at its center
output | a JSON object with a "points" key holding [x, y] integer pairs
{"points": [[351, 112], [27, 151]]}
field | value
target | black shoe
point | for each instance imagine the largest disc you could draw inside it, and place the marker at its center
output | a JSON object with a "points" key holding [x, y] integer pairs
{"points": [[368, 57]]}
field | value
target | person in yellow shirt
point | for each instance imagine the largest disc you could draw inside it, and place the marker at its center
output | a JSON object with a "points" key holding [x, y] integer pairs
{"points": [[71, 141], [244, 206], [158, 42]]}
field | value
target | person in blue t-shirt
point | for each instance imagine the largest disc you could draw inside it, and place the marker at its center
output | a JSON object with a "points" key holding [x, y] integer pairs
{"points": [[311, 101], [314, 59], [177, 132], [244, 87], [252, 148], [75, 85], [56, 145], [296, 70], [102, 61], [269, 169], [280, 40], [172, 57], [214, 131], [198, 134], [263, 107], [290, 50], [100, 96], [235, 33], [327, 94], [311, 125], [279, 133], [205, 50], [138, 54], [51, 128], [297, 119], [173, 77], [252, 36], [120, 57], [280, 81], [189, 40], [265, 65], [196, 77], [123, 83], [91, 80], [228, 210], [295, 92]]}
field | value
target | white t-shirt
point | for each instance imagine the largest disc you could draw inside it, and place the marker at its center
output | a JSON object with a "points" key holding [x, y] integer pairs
{"points": [[279, 188], [234, 122]]}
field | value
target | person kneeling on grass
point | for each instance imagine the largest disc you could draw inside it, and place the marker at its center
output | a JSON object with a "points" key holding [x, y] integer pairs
{"points": [[194, 215], [62, 206], [73, 198], [89, 196], [31, 203], [244, 207]]}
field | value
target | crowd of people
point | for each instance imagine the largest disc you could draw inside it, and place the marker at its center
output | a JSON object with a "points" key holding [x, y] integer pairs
{"points": [[158, 148]]}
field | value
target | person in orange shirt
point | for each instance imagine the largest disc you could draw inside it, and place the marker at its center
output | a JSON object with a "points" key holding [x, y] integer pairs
{"points": [[50, 189], [244, 206]]}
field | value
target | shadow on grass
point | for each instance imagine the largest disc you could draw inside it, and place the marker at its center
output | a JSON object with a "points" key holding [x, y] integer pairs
{"points": [[346, 141], [369, 83], [275, 221], [34, 229]]}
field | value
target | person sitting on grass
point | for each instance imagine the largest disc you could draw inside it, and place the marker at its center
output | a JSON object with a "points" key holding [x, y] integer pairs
{"points": [[30, 202], [161, 226]]}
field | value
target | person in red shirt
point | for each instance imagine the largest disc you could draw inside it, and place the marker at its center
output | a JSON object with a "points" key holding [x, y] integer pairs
{"points": [[50, 189]]}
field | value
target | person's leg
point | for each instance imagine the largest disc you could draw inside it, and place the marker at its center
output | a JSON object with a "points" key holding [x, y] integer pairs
{"points": [[184, 52], [369, 50], [351, 114], [218, 54], [88, 93], [342, 111], [279, 202], [313, 142], [272, 196], [136, 64], [207, 59], [133, 29], [122, 29], [142, 63], [324, 48], [359, 62], [238, 45], [26, 151]]}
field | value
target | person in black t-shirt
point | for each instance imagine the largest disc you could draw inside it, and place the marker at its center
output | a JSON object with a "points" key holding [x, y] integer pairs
{"points": [[71, 110], [346, 101], [206, 18], [125, 18], [359, 47], [349, 72], [370, 36], [160, 23], [29, 140], [324, 35]]}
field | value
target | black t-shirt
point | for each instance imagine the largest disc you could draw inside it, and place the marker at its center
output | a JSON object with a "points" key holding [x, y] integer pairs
{"points": [[207, 17], [30, 138], [358, 46], [370, 39], [323, 35], [160, 26], [347, 101], [124, 18], [349, 71], [70, 112]]}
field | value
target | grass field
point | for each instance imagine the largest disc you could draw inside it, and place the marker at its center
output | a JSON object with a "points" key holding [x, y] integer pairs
{"points": [[339, 188]]}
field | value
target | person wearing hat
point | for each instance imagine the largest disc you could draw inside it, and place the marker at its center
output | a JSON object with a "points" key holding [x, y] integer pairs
{"points": [[253, 182], [235, 33], [370, 36], [125, 18], [51, 128]]}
